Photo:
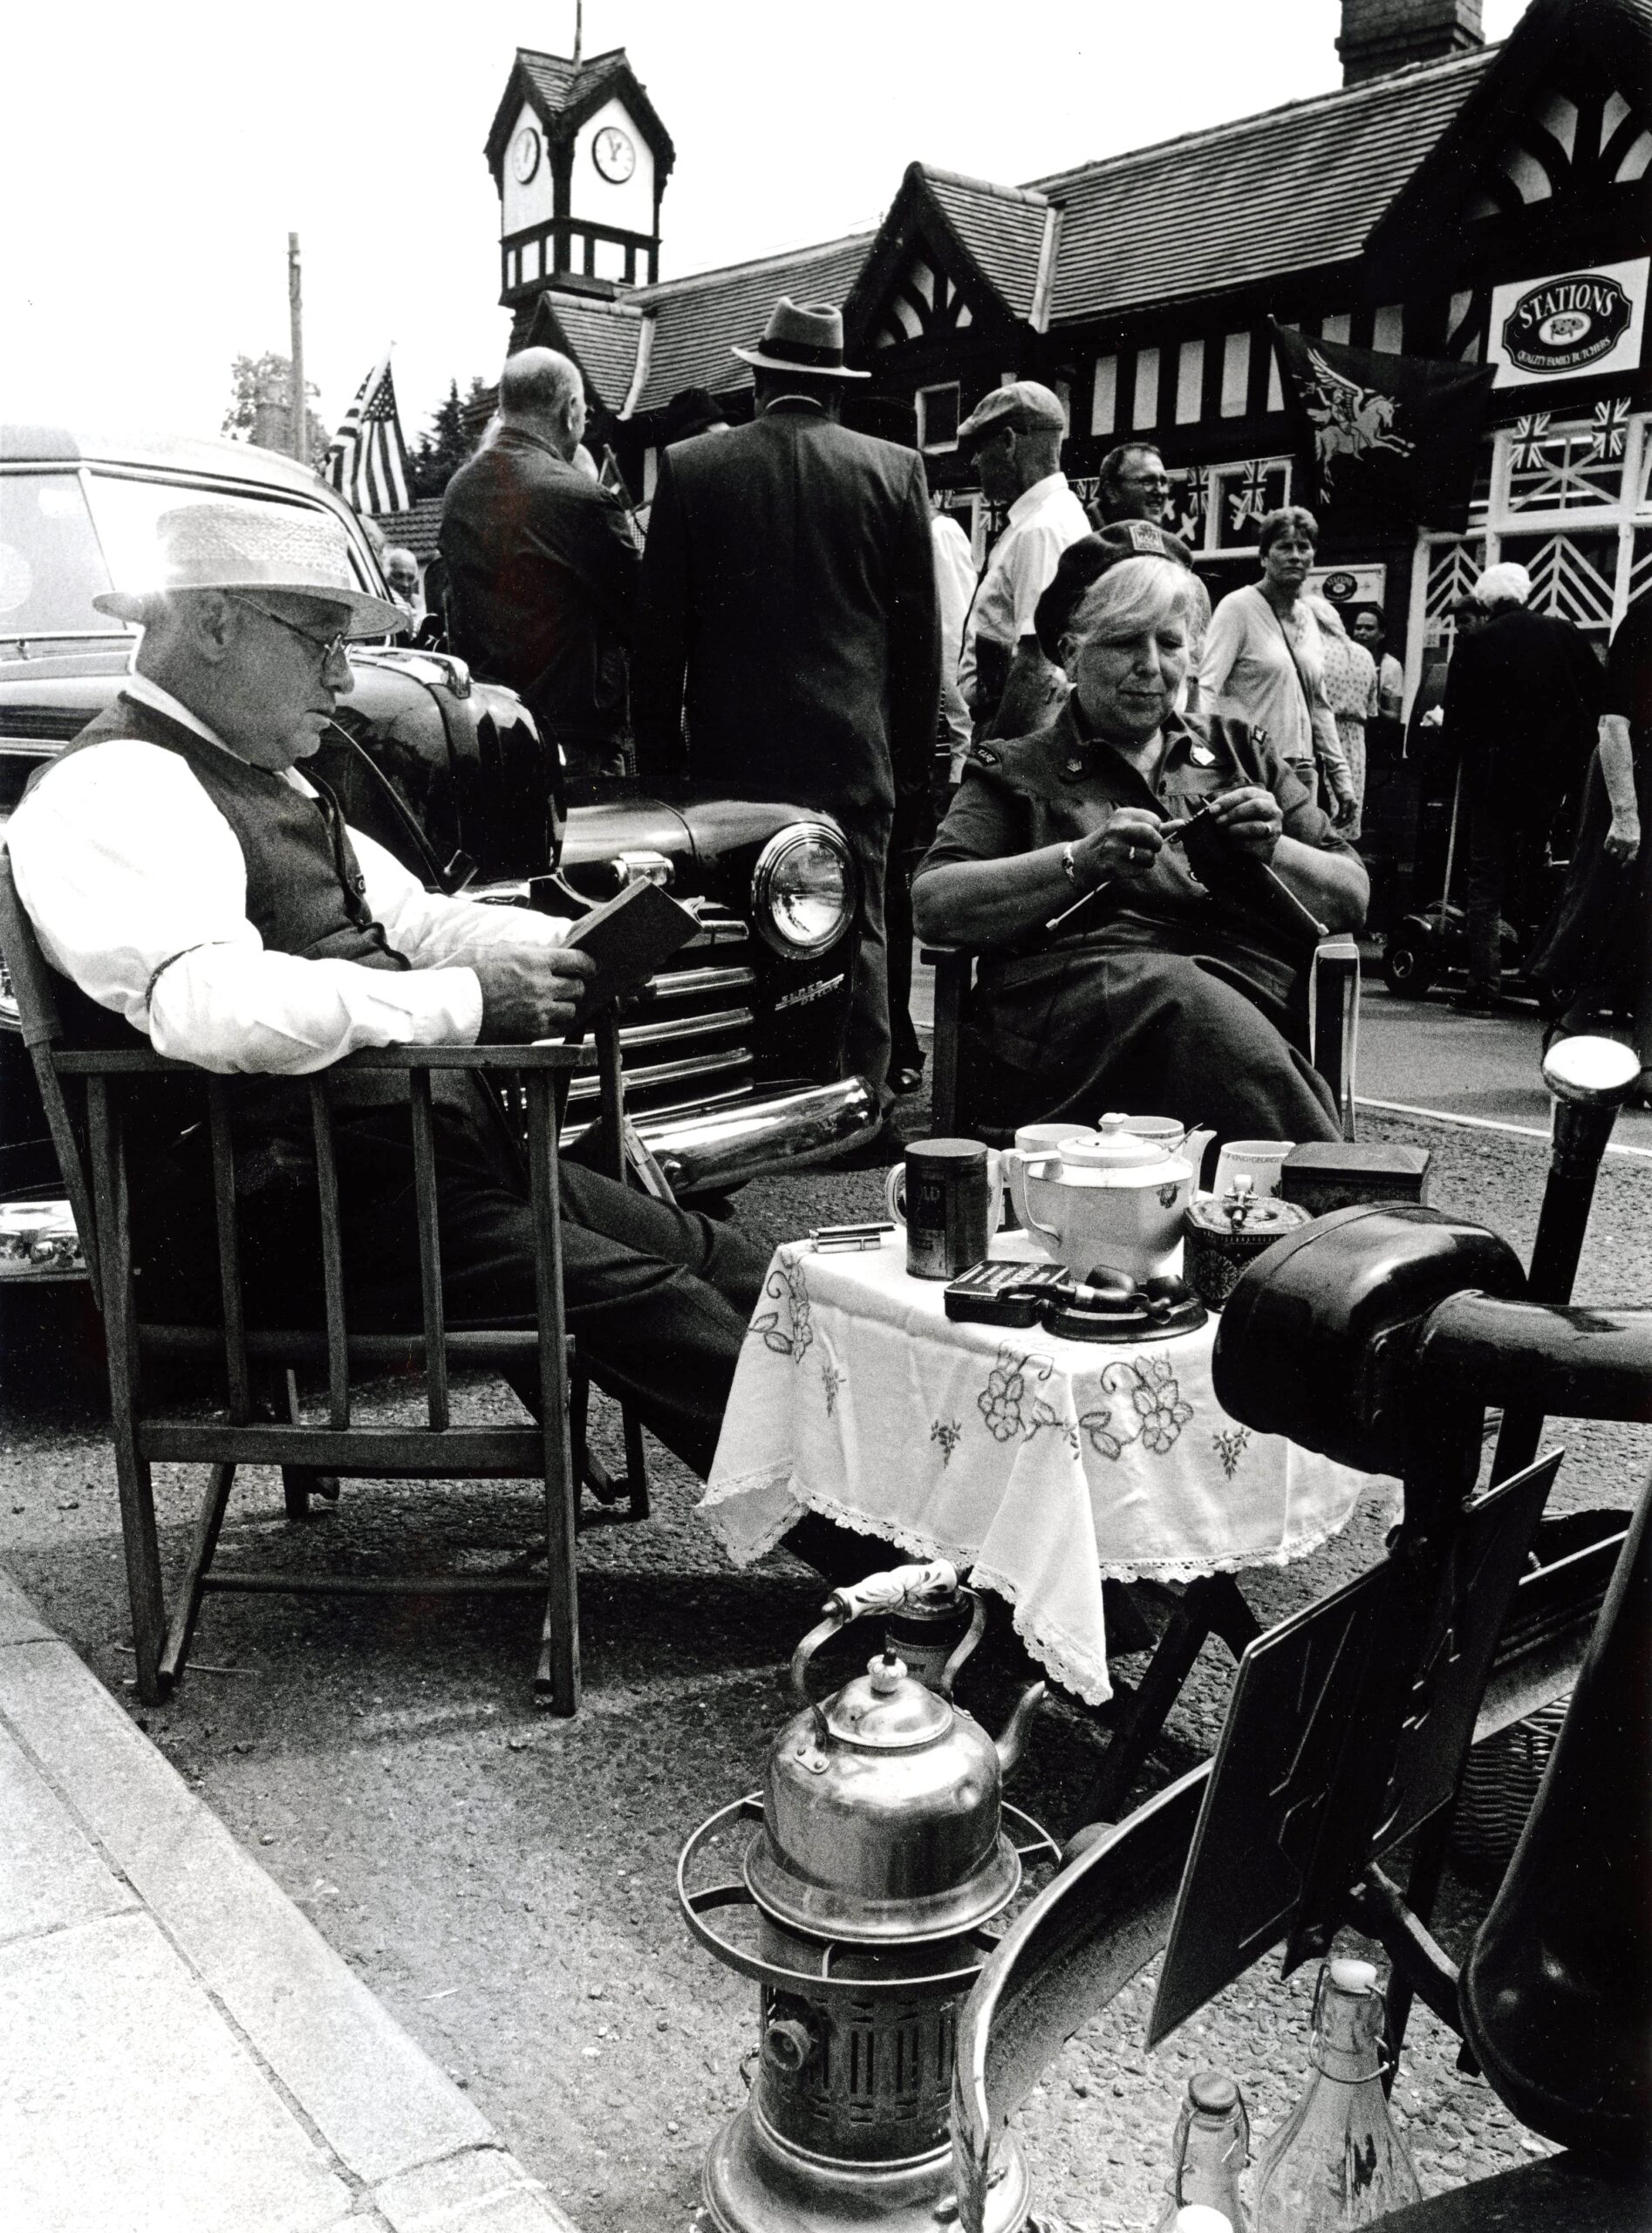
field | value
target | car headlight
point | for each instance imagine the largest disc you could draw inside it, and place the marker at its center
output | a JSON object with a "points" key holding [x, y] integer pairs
{"points": [[802, 889]]}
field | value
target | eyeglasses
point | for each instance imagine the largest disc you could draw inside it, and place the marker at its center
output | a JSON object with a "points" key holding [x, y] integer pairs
{"points": [[329, 646]]}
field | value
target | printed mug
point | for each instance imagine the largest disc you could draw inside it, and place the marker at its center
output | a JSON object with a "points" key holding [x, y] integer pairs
{"points": [[949, 1194], [1261, 1161]]}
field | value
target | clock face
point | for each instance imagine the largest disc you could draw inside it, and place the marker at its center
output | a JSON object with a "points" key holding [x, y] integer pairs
{"points": [[524, 154], [614, 154]]}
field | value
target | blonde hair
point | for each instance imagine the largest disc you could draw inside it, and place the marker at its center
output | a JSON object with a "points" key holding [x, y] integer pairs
{"points": [[1136, 595]]}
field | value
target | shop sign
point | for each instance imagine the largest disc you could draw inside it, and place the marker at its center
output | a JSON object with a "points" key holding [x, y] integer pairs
{"points": [[1344, 586], [1572, 323]]}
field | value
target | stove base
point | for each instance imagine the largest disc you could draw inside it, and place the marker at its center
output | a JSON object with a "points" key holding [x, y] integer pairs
{"points": [[755, 2182]]}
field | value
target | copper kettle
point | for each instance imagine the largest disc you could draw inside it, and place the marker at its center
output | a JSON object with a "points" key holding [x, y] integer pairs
{"points": [[882, 1804]]}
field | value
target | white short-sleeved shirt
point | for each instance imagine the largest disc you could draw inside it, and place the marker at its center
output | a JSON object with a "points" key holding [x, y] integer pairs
{"points": [[1042, 521]]}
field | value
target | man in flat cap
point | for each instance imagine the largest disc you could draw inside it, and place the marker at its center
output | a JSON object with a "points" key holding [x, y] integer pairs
{"points": [[1015, 436], [196, 890], [787, 608]]}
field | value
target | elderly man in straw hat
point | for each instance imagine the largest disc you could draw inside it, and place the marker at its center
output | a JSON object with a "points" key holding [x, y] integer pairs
{"points": [[787, 603], [199, 890]]}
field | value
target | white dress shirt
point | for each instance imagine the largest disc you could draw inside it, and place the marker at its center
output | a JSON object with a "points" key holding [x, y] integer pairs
{"points": [[1042, 521], [138, 891], [955, 587]]}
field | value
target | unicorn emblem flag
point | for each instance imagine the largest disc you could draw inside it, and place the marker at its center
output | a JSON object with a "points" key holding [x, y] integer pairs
{"points": [[1393, 438]]}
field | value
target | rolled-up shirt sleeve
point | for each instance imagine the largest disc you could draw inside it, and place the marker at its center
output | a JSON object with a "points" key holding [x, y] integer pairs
{"points": [[137, 889]]}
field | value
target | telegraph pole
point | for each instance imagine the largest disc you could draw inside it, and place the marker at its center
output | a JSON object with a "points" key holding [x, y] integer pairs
{"points": [[579, 30], [295, 307]]}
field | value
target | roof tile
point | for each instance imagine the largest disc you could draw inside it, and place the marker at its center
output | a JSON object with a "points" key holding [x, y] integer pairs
{"points": [[697, 320], [1003, 230]]}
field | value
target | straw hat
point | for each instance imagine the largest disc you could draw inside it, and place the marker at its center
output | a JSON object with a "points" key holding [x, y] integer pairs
{"points": [[267, 547]]}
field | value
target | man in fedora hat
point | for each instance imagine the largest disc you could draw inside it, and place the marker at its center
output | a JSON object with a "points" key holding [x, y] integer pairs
{"points": [[788, 606], [195, 888]]}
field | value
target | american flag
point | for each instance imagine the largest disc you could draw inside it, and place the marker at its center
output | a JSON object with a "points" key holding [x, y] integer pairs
{"points": [[368, 461]]}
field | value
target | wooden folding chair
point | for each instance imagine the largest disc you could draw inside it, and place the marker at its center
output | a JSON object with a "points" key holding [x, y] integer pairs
{"points": [[87, 1094]]}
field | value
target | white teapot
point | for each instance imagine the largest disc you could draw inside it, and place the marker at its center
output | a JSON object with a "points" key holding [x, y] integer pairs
{"points": [[1110, 1198]]}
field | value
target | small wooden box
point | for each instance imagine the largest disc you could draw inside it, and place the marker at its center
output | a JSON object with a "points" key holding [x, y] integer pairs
{"points": [[1325, 1175]]}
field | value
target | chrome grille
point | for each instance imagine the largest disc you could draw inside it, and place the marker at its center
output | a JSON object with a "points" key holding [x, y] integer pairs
{"points": [[687, 1041]]}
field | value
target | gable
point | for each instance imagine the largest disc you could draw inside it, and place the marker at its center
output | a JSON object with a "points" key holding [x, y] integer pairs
{"points": [[952, 253], [1573, 141]]}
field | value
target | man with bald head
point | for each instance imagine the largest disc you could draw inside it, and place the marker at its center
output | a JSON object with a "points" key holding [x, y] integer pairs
{"points": [[541, 569]]}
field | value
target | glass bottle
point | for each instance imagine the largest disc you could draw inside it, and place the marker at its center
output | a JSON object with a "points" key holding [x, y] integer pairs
{"points": [[1213, 2146], [1337, 2162]]}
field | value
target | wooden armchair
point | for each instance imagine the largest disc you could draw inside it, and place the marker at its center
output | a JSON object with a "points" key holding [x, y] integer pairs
{"points": [[87, 1094], [1333, 1005]]}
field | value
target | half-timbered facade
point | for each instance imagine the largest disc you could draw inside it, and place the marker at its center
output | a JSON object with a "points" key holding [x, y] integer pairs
{"points": [[1490, 204]]}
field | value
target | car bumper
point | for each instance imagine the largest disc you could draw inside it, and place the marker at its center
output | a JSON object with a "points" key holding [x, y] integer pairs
{"points": [[698, 1155], [707, 1154]]}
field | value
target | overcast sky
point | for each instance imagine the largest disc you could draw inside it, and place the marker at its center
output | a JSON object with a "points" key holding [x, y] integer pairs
{"points": [[152, 163]]}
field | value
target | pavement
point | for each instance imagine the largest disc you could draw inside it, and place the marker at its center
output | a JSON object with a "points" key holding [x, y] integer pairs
{"points": [[179, 2046]]}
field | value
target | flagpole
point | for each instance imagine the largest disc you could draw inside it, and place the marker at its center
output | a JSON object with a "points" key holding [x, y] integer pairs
{"points": [[300, 421]]}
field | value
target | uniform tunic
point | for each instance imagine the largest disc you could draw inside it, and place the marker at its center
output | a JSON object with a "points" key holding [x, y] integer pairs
{"points": [[1175, 1000]]}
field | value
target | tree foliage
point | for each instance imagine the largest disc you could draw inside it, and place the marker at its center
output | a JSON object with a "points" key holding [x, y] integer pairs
{"points": [[445, 443], [260, 409]]}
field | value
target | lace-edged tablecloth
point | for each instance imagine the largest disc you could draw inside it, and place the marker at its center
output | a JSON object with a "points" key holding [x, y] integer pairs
{"points": [[1043, 1464]]}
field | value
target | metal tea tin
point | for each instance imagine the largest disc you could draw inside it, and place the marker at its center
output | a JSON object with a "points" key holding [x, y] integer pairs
{"points": [[947, 1207], [1220, 1237]]}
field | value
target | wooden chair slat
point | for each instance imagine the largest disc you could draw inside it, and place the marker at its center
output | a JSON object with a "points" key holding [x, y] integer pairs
{"points": [[332, 1260], [429, 1250], [223, 1205], [557, 1680]]}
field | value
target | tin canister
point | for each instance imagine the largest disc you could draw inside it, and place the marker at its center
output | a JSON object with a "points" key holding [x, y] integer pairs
{"points": [[943, 1193], [1222, 1234]]}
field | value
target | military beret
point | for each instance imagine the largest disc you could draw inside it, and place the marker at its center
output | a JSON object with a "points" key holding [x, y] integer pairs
{"points": [[1084, 562], [1027, 405]]}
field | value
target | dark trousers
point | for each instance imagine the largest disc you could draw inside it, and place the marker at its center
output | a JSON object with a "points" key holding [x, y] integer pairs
{"points": [[1505, 840], [867, 1051], [657, 1297]]}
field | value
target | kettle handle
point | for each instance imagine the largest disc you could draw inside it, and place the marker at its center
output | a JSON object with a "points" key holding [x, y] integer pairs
{"points": [[886, 1593]]}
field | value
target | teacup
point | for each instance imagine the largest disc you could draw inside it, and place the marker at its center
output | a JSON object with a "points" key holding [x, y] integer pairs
{"points": [[1261, 1161]]}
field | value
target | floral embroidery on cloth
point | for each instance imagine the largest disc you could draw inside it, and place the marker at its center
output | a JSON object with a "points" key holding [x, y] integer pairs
{"points": [[1230, 1447], [831, 1379], [785, 1286], [1157, 1413], [948, 1433], [1008, 1404]]}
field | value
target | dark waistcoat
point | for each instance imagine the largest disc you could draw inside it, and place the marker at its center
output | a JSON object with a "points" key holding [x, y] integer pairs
{"points": [[306, 895]]}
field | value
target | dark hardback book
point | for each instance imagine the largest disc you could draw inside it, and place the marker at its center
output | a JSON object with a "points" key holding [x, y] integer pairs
{"points": [[630, 936]]}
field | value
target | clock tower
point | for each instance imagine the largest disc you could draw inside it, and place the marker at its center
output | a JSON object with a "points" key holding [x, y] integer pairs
{"points": [[580, 161]]}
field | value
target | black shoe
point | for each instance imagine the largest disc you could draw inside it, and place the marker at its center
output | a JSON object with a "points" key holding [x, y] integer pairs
{"points": [[908, 1078]]}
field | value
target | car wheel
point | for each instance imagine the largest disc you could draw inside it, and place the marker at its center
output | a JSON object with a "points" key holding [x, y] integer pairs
{"points": [[1405, 970]]}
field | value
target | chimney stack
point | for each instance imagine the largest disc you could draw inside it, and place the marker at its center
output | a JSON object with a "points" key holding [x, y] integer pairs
{"points": [[1382, 35]]}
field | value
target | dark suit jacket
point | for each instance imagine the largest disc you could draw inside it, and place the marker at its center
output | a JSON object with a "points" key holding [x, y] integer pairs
{"points": [[1522, 698], [542, 568], [788, 600]]}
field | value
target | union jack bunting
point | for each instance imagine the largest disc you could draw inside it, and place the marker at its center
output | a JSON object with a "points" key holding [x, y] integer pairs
{"points": [[1531, 439], [1247, 499], [1189, 490], [368, 461], [1611, 428]]}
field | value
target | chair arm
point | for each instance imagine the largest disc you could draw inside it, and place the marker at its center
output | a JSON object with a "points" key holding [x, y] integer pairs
{"points": [[137, 1061], [1334, 1020], [954, 968]]}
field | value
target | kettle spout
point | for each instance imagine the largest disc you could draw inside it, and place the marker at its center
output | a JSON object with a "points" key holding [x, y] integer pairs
{"points": [[1013, 1742]]}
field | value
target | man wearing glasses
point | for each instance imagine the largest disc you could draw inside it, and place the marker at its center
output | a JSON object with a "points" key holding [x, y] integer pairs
{"points": [[197, 889], [1014, 437]]}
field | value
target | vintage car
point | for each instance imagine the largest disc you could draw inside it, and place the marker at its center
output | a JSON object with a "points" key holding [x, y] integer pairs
{"points": [[732, 1055]]}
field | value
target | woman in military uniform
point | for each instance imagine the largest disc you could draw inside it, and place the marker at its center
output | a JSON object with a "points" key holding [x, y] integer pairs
{"points": [[1168, 992]]}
